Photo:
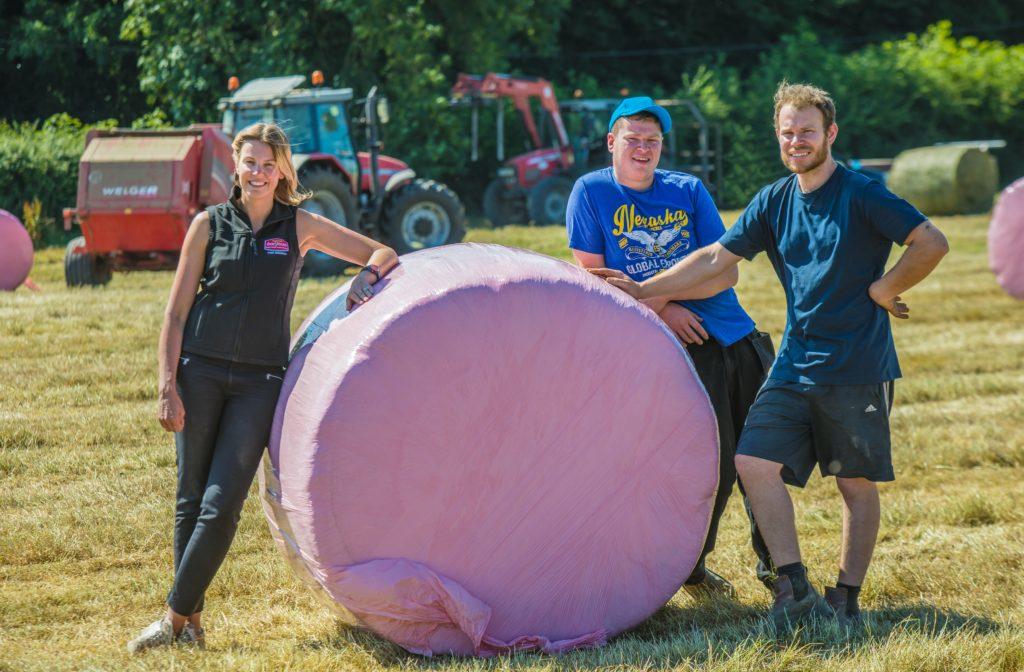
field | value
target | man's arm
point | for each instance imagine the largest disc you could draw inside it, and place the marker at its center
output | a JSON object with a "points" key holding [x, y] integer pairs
{"points": [[707, 227], [683, 322], [926, 246], [589, 260], [719, 283], [691, 273]]}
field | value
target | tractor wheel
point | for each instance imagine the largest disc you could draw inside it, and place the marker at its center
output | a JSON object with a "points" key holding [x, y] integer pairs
{"points": [[547, 200], [82, 269], [421, 214], [333, 200], [501, 209]]}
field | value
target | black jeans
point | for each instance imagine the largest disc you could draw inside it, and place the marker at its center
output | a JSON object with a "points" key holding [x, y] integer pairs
{"points": [[732, 377], [229, 408]]}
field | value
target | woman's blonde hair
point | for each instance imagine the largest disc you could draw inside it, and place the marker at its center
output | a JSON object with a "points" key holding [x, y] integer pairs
{"points": [[287, 190]]}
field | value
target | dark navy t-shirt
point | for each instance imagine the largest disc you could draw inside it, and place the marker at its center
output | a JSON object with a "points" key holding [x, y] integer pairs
{"points": [[644, 232], [827, 247]]}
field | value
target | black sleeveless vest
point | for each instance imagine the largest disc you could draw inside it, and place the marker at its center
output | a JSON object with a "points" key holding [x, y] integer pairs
{"points": [[244, 304]]}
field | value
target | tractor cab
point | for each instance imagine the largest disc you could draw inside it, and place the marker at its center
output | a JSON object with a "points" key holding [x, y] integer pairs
{"points": [[350, 181], [316, 120]]}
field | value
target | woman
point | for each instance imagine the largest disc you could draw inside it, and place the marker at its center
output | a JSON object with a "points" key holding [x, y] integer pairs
{"points": [[223, 352]]}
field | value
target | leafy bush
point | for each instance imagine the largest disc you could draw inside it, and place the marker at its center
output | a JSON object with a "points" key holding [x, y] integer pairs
{"points": [[889, 97], [892, 96], [40, 164]]}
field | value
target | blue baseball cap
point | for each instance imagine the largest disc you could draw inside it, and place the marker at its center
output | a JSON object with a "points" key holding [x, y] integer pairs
{"points": [[631, 106]]}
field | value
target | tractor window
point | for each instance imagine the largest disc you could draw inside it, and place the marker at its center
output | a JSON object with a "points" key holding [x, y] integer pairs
{"points": [[243, 118], [334, 134], [296, 122]]}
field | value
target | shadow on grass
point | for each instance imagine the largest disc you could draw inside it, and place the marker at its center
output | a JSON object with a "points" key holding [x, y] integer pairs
{"points": [[675, 635]]}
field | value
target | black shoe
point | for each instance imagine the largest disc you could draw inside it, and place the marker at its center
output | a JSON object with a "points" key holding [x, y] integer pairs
{"points": [[788, 611], [838, 600]]}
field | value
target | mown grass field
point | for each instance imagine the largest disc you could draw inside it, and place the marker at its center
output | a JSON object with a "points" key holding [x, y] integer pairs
{"points": [[87, 487]]}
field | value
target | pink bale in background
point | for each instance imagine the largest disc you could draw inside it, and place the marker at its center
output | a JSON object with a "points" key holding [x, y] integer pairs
{"points": [[497, 452], [15, 252], [1006, 240]]}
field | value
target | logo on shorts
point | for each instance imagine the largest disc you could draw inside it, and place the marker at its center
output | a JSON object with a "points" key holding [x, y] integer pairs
{"points": [[870, 409], [275, 246]]}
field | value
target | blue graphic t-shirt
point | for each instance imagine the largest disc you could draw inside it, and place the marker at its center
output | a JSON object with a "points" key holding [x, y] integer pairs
{"points": [[827, 247], [644, 232]]}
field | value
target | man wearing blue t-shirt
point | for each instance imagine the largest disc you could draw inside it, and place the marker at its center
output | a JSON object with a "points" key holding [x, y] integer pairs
{"points": [[640, 220], [828, 232]]}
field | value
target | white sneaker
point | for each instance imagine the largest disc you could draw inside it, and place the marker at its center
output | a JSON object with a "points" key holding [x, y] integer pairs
{"points": [[157, 633], [191, 636]]}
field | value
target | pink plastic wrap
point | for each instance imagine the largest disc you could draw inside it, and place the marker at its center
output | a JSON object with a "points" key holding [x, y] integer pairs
{"points": [[15, 252], [1006, 240], [497, 452]]}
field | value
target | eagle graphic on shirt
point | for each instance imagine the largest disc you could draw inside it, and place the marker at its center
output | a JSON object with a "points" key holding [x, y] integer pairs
{"points": [[660, 239], [652, 244]]}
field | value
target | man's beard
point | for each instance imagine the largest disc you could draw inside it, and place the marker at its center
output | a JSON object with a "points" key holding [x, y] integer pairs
{"points": [[816, 160]]}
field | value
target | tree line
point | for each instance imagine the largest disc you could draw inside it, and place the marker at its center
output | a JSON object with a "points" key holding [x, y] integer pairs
{"points": [[904, 72]]}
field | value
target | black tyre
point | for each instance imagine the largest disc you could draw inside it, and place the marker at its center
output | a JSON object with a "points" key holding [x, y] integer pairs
{"points": [[547, 200], [331, 199], [422, 214], [503, 208], [82, 269]]}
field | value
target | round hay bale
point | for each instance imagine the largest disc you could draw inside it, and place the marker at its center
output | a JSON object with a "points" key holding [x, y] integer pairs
{"points": [[1006, 240], [498, 452], [15, 252], [946, 179]]}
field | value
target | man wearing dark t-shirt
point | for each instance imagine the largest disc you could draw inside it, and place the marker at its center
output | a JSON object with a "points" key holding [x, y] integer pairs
{"points": [[827, 232]]}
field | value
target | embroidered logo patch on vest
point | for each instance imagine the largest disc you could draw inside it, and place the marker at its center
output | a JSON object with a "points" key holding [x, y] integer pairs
{"points": [[275, 246]]}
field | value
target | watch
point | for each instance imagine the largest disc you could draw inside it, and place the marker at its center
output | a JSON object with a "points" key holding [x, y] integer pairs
{"points": [[373, 268]]}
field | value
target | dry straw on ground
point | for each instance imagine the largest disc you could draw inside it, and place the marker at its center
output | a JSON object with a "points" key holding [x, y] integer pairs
{"points": [[86, 488]]}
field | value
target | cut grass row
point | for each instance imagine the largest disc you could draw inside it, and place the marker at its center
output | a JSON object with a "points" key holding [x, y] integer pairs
{"points": [[86, 501]]}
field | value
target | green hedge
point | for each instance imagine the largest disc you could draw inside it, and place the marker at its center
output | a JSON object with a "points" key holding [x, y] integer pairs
{"points": [[889, 97], [893, 96], [40, 164]]}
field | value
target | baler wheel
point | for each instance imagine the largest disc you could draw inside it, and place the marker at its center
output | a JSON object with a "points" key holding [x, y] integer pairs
{"points": [[82, 269], [548, 199], [502, 210]]}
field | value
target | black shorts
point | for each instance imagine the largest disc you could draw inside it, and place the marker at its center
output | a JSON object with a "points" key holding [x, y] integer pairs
{"points": [[844, 429]]}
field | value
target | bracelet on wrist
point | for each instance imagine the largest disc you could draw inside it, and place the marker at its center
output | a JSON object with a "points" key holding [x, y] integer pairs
{"points": [[373, 268]]}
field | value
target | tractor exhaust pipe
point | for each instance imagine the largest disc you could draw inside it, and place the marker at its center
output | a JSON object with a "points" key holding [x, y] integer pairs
{"points": [[373, 144]]}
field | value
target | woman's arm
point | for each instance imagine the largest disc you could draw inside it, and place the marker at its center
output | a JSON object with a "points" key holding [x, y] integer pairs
{"points": [[171, 412], [319, 233]]}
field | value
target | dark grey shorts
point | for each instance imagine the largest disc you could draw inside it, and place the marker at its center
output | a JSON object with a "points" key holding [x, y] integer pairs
{"points": [[844, 429]]}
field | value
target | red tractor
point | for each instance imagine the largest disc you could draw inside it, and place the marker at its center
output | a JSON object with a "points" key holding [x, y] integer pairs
{"points": [[535, 186], [138, 190]]}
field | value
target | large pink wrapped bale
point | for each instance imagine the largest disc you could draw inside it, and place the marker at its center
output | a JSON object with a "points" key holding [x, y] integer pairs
{"points": [[497, 452], [1006, 240], [15, 252]]}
